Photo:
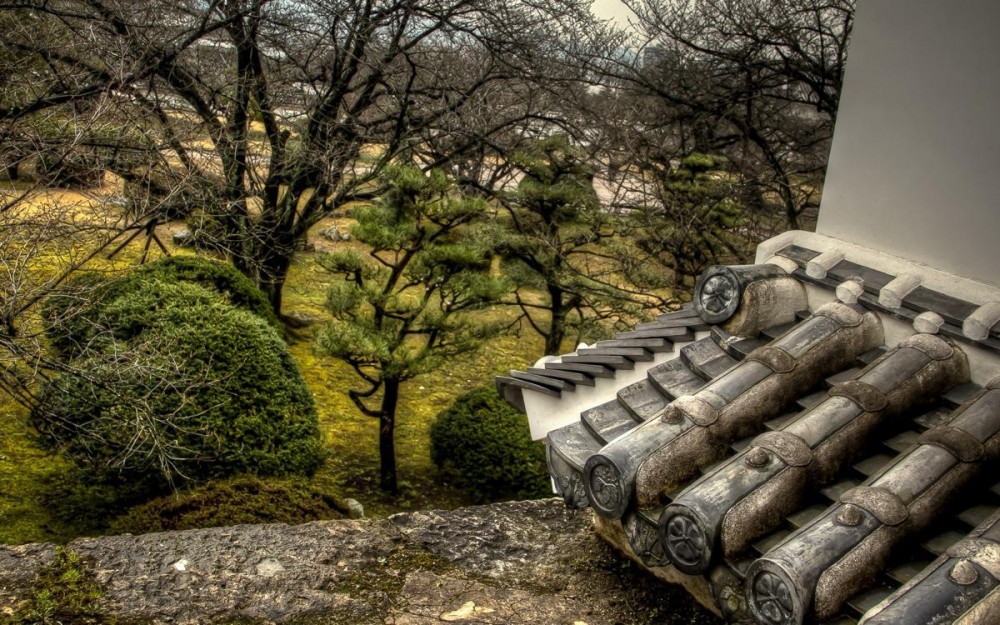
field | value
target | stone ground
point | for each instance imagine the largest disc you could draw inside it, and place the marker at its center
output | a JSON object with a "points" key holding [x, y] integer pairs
{"points": [[517, 563]]}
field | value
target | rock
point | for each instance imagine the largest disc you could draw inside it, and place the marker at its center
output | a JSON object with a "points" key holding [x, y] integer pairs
{"points": [[531, 562], [118, 201], [333, 234], [354, 509], [183, 238], [299, 319]]}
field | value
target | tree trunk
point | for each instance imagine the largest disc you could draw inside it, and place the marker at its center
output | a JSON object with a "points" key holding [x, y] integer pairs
{"points": [[557, 327], [387, 439], [274, 264], [272, 287], [787, 197]]}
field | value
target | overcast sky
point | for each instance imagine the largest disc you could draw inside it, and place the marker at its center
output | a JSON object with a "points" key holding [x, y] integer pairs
{"points": [[611, 9]]}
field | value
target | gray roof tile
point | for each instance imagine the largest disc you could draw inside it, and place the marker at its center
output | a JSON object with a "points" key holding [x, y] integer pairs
{"points": [[805, 515], [902, 441], [674, 379], [554, 383], [867, 600], [635, 354], [870, 465], [674, 335], [580, 379], [612, 362], [608, 421], [904, 572], [657, 345], [975, 515], [939, 543], [799, 254], [642, 400], [709, 358], [592, 369], [575, 444], [706, 358], [531, 386], [684, 313], [952, 309]]}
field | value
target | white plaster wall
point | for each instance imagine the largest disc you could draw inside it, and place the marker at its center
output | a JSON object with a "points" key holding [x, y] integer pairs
{"points": [[916, 153]]}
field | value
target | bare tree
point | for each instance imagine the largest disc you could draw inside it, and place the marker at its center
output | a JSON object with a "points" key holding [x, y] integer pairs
{"points": [[757, 81], [292, 109]]}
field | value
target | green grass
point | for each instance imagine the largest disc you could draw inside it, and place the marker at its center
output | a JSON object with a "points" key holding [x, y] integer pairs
{"points": [[63, 591], [26, 473]]}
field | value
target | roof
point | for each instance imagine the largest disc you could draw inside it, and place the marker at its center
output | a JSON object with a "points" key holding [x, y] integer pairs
{"points": [[813, 436]]}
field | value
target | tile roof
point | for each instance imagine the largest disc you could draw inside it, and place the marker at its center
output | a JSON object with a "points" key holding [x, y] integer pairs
{"points": [[810, 470]]}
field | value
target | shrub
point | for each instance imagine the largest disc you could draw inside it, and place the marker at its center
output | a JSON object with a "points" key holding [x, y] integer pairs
{"points": [[67, 313], [242, 500], [80, 313], [214, 275], [484, 446], [178, 386], [77, 168]]}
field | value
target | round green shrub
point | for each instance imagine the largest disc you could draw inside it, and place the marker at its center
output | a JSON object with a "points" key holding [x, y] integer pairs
{"points": [[483, 445], [68, 313], [84, 309], [178, 386], [241, 500], [214, 275]]}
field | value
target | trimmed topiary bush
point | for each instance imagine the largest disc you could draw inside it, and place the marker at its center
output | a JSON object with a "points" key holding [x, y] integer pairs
{"points": [[241, 500], [214, 275], [177, 386], [483, 445], [80, 312]]}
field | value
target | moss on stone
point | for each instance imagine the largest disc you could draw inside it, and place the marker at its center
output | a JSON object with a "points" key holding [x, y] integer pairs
{"points": [[64, 592]]}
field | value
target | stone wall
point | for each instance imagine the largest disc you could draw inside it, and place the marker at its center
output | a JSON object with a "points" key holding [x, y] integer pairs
{"points": [[525, 562]]}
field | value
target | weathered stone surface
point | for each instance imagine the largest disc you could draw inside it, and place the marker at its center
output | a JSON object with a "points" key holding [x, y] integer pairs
{"points": [[334, 234], [299, 319], [525, 562], [183, 238]]}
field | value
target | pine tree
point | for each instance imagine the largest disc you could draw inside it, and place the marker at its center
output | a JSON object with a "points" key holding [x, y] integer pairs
{"points": [[404, 310], [556, 242], [697, 220]]}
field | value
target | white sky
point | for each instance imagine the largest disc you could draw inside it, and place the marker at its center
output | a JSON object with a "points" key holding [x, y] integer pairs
{"points": [[611, 9]]}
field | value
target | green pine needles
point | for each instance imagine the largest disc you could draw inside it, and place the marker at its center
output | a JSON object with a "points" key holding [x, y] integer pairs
{"points": [[557, 240], [404, 308]]}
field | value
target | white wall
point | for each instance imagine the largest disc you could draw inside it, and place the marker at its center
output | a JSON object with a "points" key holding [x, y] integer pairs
{"points": [[915, 164]]}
